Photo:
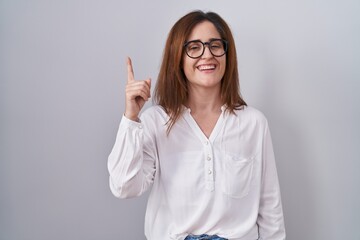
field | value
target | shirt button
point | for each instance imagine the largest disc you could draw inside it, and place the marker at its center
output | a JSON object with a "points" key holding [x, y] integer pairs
{"points": [[140, 127], [208, 158], [207, 143], [209, 172]]}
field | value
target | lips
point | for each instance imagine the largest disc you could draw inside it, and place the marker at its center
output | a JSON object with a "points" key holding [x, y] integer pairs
{"points": [[206, 67]]}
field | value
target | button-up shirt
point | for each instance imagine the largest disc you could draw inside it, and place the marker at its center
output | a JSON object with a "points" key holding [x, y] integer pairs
{"points": [[225, 184]]}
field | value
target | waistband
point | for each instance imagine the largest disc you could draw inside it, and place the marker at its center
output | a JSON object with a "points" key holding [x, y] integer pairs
{"points": [[204, 237]]}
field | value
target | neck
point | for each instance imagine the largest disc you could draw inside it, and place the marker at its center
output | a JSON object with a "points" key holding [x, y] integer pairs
{"points": [[204, 101]]}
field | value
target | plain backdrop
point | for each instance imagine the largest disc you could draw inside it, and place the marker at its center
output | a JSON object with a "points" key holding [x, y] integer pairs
{"points": [[62, 72]]}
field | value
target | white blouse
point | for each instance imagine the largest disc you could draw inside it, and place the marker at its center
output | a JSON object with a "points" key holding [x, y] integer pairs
{"points": [[226, 184]]}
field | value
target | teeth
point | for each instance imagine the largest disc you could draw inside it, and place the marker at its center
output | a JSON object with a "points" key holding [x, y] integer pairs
{"points": [[206, 67]]}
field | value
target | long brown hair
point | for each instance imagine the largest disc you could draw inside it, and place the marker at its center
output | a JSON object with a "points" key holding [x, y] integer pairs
{"points": [[171, 90]]}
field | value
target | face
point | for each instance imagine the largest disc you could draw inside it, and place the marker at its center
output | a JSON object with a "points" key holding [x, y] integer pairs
{"points": [[207, 70]]}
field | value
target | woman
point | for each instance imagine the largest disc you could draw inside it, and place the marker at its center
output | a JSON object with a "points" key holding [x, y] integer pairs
{"points": [[206, 155]]}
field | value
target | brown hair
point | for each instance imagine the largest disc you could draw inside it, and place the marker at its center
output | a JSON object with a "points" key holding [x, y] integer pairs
{"points": [[171, 90]]}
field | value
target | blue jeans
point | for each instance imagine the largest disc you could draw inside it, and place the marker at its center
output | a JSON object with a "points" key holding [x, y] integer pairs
{"points": [[204, 237]]}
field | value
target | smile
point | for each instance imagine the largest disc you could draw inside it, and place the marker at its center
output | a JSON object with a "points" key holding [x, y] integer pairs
{"points": [[206, 67]]}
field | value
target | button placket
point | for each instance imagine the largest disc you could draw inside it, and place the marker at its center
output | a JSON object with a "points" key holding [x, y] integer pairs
{"points": [[209, 166]]}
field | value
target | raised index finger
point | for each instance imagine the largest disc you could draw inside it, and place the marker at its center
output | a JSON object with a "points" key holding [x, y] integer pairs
{"points": [[130, 71]]}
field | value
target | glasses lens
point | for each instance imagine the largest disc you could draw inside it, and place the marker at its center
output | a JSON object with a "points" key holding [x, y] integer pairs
{"points": [[194, 49], [217, 47]]}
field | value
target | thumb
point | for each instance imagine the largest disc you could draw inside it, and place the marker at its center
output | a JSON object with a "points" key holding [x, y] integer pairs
{"points": [[148, 82]]}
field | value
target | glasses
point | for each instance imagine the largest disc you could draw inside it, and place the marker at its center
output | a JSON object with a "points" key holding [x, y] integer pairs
{"points": [[196, 48]]}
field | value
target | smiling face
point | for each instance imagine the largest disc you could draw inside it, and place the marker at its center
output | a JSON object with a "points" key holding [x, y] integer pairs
{"points": [[206, 71]]}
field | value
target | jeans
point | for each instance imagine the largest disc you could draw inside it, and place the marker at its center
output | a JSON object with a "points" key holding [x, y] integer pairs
{"points": [[204, 237]]}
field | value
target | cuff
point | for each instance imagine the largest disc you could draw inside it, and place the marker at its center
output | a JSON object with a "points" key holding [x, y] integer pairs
{"points": [[128, 123]]}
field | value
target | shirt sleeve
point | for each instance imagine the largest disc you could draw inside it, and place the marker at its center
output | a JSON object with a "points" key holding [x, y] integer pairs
{"points": [[131, 163], [270, 219]]}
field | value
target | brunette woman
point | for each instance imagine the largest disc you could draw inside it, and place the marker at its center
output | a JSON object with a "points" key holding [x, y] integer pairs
{"points": [[206, 156]]}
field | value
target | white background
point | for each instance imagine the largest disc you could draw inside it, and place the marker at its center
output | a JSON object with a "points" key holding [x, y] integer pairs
{"points": [[62, 71]]}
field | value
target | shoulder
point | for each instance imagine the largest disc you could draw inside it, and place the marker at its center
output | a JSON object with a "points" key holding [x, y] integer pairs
{"points": [[249, 113], [250, 118], [154, 112]]}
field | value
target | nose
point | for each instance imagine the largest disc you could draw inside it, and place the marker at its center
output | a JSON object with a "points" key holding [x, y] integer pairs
{"points": [[207, 52]]}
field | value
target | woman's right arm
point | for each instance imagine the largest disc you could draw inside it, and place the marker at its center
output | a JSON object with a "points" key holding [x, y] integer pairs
{"points": [[131, 163]]}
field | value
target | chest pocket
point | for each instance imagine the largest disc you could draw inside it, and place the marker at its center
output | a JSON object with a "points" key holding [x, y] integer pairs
{"points": [[238, 174]]}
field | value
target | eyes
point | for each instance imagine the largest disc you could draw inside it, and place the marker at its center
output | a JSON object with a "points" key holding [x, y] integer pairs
{"points": [[197, 45], [196, 48]]}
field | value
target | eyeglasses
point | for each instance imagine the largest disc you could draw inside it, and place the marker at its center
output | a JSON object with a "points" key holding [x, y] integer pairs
{"points": [[196, 48]]}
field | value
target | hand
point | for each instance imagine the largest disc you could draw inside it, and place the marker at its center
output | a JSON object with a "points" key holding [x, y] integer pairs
{"points": [[136, 94]]}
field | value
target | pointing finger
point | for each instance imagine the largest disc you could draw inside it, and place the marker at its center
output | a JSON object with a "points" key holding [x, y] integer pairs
{"points": [[130, 71]]}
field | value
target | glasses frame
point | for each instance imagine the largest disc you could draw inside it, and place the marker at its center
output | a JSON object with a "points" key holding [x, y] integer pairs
{"points": [[224, 42]]}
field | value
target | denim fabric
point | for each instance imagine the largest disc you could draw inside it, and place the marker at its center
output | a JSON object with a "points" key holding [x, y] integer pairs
{"points": [[204, 237]]}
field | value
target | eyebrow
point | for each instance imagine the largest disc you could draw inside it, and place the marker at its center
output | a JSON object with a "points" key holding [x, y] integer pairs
{"points": [[211, 39]]}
